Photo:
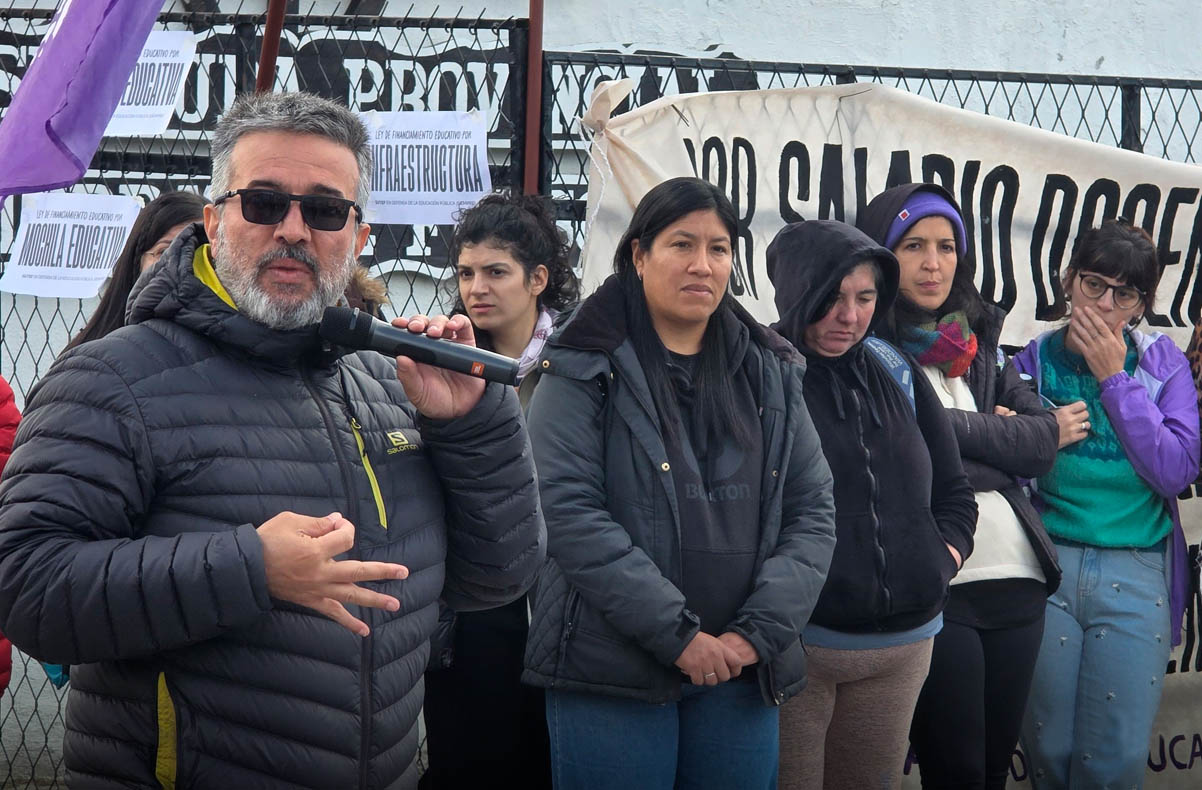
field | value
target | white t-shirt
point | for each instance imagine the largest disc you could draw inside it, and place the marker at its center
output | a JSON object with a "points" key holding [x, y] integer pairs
{"points": [[1000, 546]]}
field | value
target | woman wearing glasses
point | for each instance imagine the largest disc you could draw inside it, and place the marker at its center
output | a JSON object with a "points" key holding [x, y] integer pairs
{"points": [[1110, 504]]}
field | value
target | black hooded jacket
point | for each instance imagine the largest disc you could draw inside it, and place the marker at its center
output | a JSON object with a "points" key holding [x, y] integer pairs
{"points": [[901, 495], [995, 450]]}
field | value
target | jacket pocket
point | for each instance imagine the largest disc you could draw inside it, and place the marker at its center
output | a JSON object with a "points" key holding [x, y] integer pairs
{"points": [[852, 594], [166, 756], [173, 760], [571, 611], [399, 493], [920, 566], [595, 653]]}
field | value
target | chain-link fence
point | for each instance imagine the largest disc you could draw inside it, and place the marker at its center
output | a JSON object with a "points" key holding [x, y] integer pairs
{"points": [[370, 63]]}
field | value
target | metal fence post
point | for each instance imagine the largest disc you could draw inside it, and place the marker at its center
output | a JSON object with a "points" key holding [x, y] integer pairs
{"points": [[545, 152], [519, 111], [1131, 137]]}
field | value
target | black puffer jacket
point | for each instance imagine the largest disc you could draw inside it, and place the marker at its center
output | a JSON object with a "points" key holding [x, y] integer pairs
{"points": [[998, 450], [609, 615], [900, 491], [128, 545], [995, 450]]}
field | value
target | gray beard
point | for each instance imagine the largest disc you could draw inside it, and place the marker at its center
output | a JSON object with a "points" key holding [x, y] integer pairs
{"points": [[240, 276]]}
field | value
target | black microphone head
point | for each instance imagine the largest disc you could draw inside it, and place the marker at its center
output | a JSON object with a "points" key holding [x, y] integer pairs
{"points": [[346, 326]]}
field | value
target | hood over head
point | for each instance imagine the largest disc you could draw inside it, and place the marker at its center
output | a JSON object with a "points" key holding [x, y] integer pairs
{"points": [[807, 262]]}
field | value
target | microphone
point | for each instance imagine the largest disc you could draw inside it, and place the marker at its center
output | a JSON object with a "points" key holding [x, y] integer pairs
{"points": [[353, 328]]}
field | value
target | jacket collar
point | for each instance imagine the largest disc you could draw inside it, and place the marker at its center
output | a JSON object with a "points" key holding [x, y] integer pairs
{"points": [[599, 324], [183, 288]]}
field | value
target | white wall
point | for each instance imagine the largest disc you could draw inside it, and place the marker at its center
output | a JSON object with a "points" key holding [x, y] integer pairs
{"points": [[1136, 38]]}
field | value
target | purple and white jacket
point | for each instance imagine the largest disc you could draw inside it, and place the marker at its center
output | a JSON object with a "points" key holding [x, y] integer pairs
{"points": [[1155, 414]]}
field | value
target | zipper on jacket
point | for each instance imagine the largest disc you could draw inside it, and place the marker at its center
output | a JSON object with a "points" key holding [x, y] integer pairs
{"points": [[777, 696], [873, 488], [371, 473], [352, 501], [571, 613]]}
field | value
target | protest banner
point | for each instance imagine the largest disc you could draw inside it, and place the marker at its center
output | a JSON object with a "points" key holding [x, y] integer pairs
{"points": [[67, 96], [67, 243], [784, 155], [823, 153], [154, 85], [427, 166]]}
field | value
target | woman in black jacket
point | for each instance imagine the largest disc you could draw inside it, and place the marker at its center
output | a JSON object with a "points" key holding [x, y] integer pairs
{"points": [[904, 512], [689, 516], [512, 277], [969, 714]]}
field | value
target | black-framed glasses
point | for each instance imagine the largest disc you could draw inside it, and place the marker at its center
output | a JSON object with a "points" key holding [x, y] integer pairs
{"points": [[269, 207], [1125, 296]]}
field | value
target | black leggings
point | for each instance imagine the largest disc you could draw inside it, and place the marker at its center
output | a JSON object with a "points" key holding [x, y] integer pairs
{"points": [[483, 727], [970, 711]]}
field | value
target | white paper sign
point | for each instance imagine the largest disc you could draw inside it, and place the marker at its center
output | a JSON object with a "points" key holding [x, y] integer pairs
{"points": [[426, 165], [154, 86], [66, 244]]}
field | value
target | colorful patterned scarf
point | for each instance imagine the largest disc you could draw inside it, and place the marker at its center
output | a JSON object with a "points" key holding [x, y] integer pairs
{"points": [[948, 344]]}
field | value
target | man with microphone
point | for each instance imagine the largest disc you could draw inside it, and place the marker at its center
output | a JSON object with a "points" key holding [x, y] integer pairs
{"points": [[237, 530]]}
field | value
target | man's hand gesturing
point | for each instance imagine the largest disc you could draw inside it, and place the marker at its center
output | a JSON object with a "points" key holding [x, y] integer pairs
{"points": [[298, 558]]}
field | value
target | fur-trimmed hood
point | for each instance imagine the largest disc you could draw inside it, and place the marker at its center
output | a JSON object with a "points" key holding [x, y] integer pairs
{"points": [[366, 292]]}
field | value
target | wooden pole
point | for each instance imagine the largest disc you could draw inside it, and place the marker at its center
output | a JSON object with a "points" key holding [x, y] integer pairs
{"points": [[534, 99], [271, 46]]}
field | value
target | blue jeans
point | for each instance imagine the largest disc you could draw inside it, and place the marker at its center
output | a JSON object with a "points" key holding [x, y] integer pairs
{"points": [[1101, 667], [720, 736]]}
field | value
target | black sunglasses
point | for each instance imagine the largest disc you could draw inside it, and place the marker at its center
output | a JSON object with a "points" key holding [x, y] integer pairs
{"points": [[269, 207]]}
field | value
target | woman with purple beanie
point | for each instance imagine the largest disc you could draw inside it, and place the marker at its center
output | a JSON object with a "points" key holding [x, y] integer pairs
{"points": [[967, 720]]}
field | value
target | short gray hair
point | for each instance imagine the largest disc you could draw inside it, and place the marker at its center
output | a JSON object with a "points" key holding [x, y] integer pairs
{"points": [[296, 113]]}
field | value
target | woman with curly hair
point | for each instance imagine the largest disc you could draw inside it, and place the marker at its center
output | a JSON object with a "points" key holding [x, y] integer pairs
{"points": [[512, 279], [512, 276]]}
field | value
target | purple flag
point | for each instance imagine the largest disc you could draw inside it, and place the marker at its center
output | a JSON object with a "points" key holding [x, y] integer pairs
{"points": [[54, 124]]}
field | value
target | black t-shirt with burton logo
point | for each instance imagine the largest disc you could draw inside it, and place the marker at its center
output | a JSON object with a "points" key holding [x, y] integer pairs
{"points": [[717, 482]]}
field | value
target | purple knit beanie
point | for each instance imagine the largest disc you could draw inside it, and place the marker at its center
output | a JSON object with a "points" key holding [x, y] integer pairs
{"points": [[920, 205]]}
